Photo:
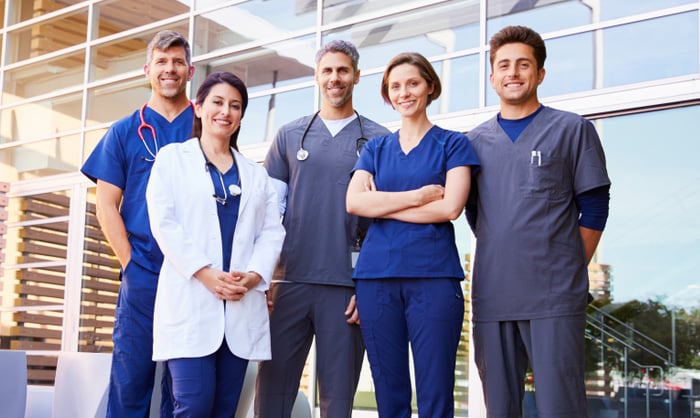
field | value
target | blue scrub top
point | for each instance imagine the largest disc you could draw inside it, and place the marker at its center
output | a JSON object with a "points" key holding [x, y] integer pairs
{"points": [[228, 213], [120, 158], [401, 249]]}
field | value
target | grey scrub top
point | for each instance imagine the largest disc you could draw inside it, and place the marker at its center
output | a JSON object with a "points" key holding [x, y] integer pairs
{"points": [[529, 261]]}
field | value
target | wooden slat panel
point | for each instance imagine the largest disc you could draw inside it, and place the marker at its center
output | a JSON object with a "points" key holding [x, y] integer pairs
{"points": [[37, 276], [35, 345], [100, 273], [39, 319], [43, 361], [40, 291], [35, 376], [99, 298], [94, 284], [96, 323], [101, 260], [31, 332], [34, 248], [36, 234], [37, 207], [96, 310]]}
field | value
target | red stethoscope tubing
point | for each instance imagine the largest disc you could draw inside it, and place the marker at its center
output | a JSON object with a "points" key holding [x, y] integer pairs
{"points": [[150, 127]]}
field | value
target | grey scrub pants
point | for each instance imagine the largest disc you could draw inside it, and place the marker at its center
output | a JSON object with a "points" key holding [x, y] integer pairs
{"points": [[302, 311]]}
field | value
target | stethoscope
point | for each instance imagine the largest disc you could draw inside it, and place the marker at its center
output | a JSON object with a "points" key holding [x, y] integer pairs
{"points": [[234, 190], [150, 127], [303, 154]]}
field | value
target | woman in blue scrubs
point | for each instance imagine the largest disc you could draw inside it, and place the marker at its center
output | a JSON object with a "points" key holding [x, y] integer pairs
{"points": [[413, 183], [214, 214]]}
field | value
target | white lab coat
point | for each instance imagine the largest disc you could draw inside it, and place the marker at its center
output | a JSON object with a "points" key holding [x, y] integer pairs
{"points": [[189, 321]]}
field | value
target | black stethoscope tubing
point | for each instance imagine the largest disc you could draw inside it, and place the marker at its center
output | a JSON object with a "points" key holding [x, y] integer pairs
{"points": [[302, 153]]}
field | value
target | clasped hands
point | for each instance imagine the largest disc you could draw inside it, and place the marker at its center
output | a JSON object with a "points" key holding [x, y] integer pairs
{"points": [[228, 286]]}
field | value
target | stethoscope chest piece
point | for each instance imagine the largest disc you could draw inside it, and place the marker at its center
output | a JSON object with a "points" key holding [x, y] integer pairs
{"points": [[302, 154], [234, 189]]}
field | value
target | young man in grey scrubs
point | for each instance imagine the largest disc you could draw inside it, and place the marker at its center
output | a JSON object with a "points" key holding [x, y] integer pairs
{"points": [[310, 161], [539, 209]]}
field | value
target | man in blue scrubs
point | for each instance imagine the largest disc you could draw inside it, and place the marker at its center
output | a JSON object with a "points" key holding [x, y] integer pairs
{"points": [[120, 164], [310, 162], [538, 211]]}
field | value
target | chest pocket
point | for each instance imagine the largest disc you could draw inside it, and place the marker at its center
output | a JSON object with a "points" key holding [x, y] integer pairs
{"points": [[545, 178]]}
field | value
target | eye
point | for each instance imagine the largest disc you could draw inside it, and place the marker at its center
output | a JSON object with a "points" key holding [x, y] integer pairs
{"points": [[217, 102]]}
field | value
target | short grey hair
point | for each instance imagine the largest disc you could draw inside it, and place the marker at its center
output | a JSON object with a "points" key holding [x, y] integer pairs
{"points": [[167, 39], [338, 45]]}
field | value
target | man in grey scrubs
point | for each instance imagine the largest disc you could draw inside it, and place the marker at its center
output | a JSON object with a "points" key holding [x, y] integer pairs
{"points": [[538, 208], [310, 162]]}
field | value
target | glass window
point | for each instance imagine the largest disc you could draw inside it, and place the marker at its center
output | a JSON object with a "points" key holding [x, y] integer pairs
{"points": [[620, 8], [125, 54], [40, 159], [119, 15], [460, 84], [440, 29], [92, 137], [367, 99], [248, 22], [21, 10], [338, 10], [41, 119], [266, 114], [537, 15], [629, 60], [114, 101], [44, 77], [2, 16], [651, 239], [47, 36], [269, 66]]}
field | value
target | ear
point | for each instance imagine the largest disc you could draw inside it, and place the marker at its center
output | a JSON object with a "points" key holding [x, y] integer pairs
{"points": [[357, 77], [146, 70], [190, 73], [540, 76], [198, 110]]}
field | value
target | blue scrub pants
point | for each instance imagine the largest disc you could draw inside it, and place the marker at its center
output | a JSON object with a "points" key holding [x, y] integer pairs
{"points": [[555, 349], [132, 372], [209, 386], [428, 313], [302, 311]]}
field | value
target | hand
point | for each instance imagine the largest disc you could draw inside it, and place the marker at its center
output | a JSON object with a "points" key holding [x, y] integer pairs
{"points": [[352, 313], [221, 284], [248, 279], [429, 193]]}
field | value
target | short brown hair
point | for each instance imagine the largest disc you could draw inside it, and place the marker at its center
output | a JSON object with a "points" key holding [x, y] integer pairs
{"points": [[424, 67], [519, 34]]}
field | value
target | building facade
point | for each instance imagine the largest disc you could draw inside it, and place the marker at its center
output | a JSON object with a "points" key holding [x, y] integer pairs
{"points": [[70, 68]]}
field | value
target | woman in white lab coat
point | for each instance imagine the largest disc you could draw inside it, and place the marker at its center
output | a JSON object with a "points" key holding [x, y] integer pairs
{"points": [[215, 217]]}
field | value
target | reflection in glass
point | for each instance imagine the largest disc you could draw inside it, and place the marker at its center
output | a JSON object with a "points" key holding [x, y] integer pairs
{"points": [[269, 66], [620, 8], [40, 159], [125, 54], [536, 14], [627, 60], [114, 101], [44, 77], [248, 22], [47, 36], [92, 137], [119, 15], [651, 241], [41, 119], [25, 10], [266, 114], [439, 29]]}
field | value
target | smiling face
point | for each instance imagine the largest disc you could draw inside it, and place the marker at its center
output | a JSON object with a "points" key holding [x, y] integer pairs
{"points": [[408, 91], [220, 112], [515, 76], [168, 72], [336, 78]]}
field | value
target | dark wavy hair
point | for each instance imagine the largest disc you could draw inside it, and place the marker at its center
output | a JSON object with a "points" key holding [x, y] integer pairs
{"points": [[212, 80]]}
